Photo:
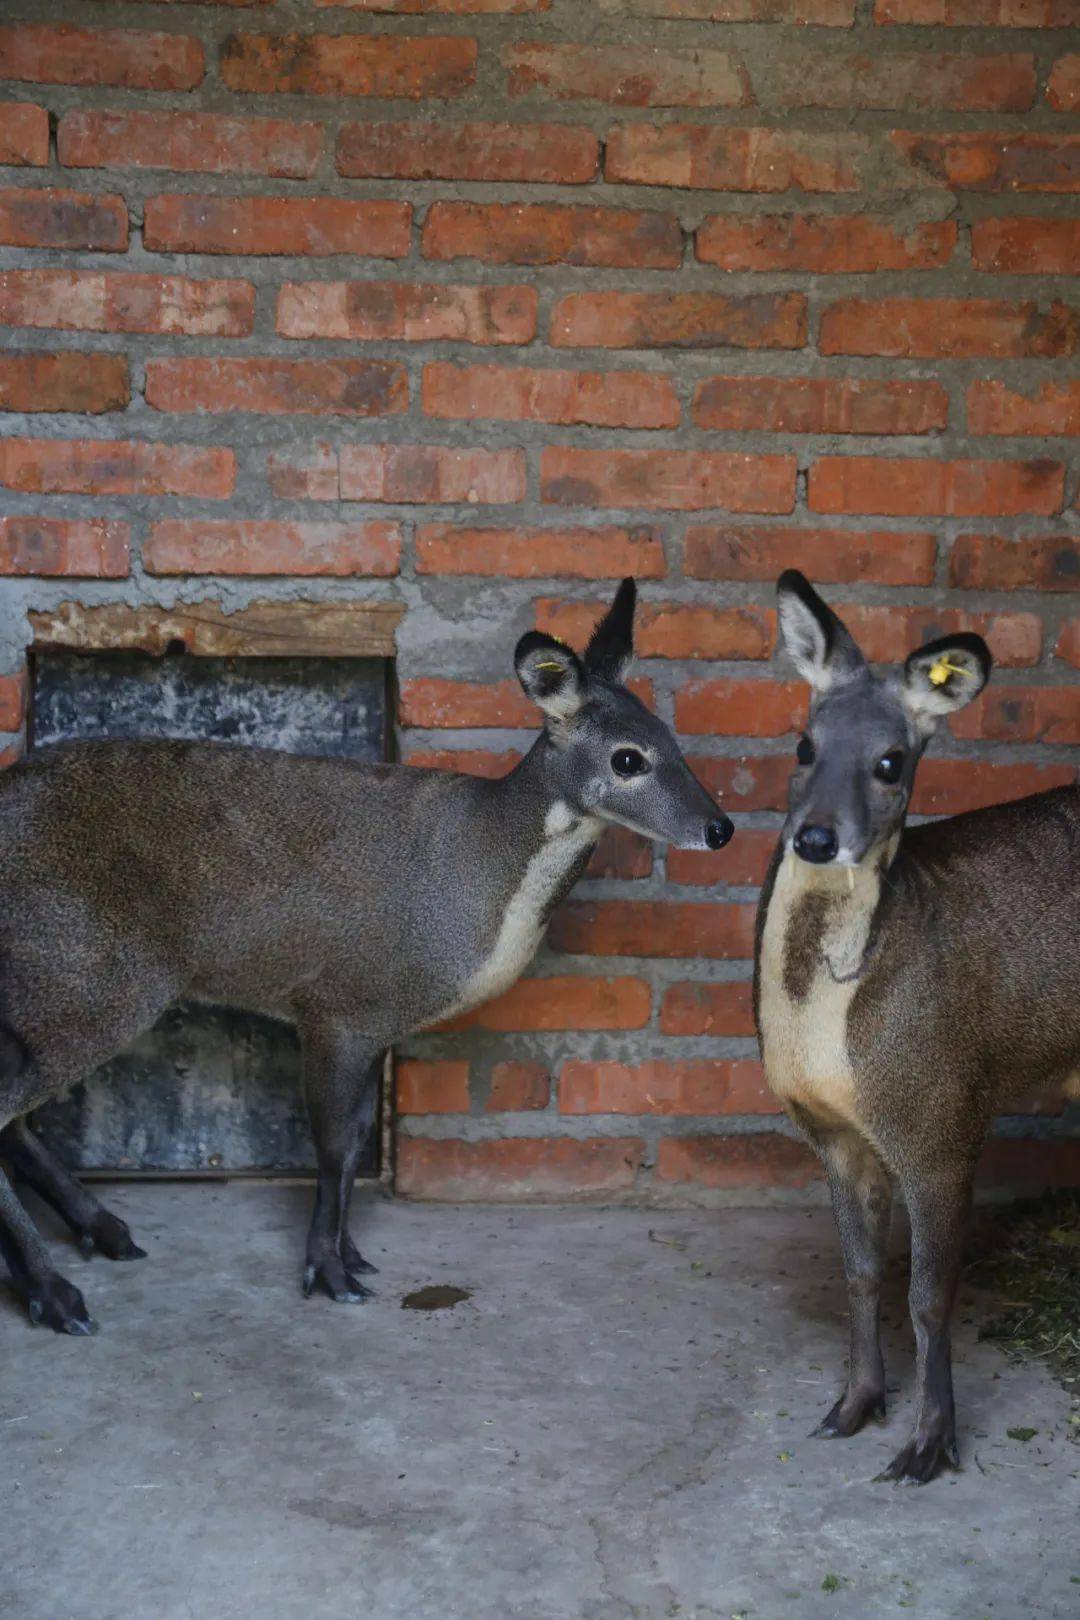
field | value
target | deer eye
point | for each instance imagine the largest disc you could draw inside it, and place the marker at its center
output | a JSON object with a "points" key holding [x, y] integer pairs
{"points": [[804, 753], [889, 767], [628, 762]]}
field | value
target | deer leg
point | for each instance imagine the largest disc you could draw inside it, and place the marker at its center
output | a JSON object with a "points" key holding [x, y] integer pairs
{"points": [[938, 1206], [862, 1204], [94, 1226], [341, 1081], [48, 1297]]}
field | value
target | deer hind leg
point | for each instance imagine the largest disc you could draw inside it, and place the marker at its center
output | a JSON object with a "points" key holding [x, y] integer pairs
{"points": [[341, 1085], [95, 1227]]}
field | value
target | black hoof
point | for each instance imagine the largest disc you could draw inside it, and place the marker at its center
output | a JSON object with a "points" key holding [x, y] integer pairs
{"points": [[848, 1416], [332, 1277], [56, 1303], [109, 1235], [920, 1461]]}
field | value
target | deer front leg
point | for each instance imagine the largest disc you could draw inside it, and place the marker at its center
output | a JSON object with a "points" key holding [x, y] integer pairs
{"points": [[341, 1085], [48, 1297], [862, 1204], [95, 1227]]}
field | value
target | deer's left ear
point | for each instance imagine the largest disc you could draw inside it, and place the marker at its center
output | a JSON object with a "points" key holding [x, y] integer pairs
{"points": [[944, 676], [611, 647], [551, 674]]}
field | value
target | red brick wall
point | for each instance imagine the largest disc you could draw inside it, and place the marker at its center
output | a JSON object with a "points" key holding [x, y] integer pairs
{"points": [[479, 304]]}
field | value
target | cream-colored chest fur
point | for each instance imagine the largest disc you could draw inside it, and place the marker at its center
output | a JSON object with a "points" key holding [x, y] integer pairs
{"points": [[809, 973]]}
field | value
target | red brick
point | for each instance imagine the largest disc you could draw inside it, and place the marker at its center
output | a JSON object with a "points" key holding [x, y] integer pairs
{"points": [[722, 1086], [1068, 646], [729, 708], [1048, 409], [565, 1001], [24, 134], [63, 219], [318, 226], [1063, 86], [825, 13], [396, 65], [1046, 714], [678, 480], [915, 487], [721, 157], [432, 701], [628, 399], [439, 7], [278, 387], [1002, 161], [198, 143], [632, 320], [829, 556], [764, 1159], [520, 553], [190, 546], [516, 1086], [949, 328], [12, 701], [430, 472], [743, 863], [431, 1087], [12, 755], [671, 630], [693, 1008], [1023, 246], [108, 301], [416, 313], [84, 548], [455, 1171], [544, 233], [826, 243], [979, 13], [87, 383], [1032, 1164], [819, 405], [621, 853], [990, 562], [116, 467], [469, 761], [62, 54], [653, 928], [559, 154], [951, 786], [928, 80], [628, 75], [747, 782], [887, 634]]}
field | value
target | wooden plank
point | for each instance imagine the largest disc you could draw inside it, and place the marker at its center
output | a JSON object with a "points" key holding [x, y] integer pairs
{"points": [[263, 629]]}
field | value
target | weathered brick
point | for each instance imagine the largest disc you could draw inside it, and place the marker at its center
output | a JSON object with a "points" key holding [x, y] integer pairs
{"points": [[819, 405], [439, 1087], [24, 134], [396, 65], [636, 320], [433, 701], [559, 154], [720, 1086], [693, 1008], [620, 852], [628, 75], [948, 787], [63, 54], [1003, 161], [516, 1086], [823, 13], [724, 551], [439, 7], [887, 635], [679, 480], [401, 472], [523, 553], [416, 313], [87, 383], [721, 157], [949, 328], [1049, 409], [84, 548], [731, 708], [1025, 246], [978, 13], [653, 928], [748, 782], [1063, 86], [12, 701], [456, 1171], [931, 80], [671, 630], [63, 219], [743, 863], [200, 143], [201, 546], [278, 387], [991, 562], [916, 487], [470, 761], [628, 399], [115, 301], [369, 228], [763, 1159], [1046, 714], [543, 233], [116, 467], [563, 1002], [827, 243]]}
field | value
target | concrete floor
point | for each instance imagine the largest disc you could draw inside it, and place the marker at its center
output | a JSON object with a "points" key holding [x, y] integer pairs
{"points": [[613, 1425]]}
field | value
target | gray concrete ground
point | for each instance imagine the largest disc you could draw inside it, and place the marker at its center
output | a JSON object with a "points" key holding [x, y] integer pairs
{"points": [[613, 1425]]}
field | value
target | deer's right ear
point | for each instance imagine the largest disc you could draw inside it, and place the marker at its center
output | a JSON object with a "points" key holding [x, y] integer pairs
{"points": [[551, 674], [817, 642]]}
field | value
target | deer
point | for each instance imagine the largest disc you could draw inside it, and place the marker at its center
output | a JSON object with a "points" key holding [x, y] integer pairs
{"points": [[905, 978], [361, 902]]}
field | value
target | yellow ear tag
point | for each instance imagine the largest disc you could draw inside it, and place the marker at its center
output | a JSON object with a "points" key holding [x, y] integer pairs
{"points": [[550, 663], [940, 671]]}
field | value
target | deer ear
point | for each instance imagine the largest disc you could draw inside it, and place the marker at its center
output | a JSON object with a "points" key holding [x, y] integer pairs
{"points": [[817, 642], [945, 675], [611, 647], [551, 674]]}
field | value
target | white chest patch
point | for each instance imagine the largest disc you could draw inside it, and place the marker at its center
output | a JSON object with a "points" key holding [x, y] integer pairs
{"points": [[804, 1037]]}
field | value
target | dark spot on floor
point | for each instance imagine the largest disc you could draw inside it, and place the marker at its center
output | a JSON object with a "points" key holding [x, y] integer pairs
{"points": [[439, 1297]]}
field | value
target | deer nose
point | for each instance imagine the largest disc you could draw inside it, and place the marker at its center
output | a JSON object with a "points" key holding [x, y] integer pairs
{"points": [[717, 833], [818, 844]]}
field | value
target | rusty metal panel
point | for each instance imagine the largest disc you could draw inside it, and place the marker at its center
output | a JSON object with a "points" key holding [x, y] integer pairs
{"points": [[208, 1088]]}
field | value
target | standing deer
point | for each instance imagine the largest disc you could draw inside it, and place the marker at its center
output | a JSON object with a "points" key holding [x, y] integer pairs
{"points": [[905, 980], [362, 902]]}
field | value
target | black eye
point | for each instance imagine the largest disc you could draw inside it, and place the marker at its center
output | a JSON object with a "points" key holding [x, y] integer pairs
{"points": [[628, 762], [889, 767], [804, 753]]}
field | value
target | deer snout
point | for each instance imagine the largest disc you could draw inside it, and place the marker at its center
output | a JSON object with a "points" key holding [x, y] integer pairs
{"points": [[718, 832], [817, 844]]}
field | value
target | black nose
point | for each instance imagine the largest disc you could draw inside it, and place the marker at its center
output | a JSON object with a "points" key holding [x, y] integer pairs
{"points": [[815, 843], [717, 833]]}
